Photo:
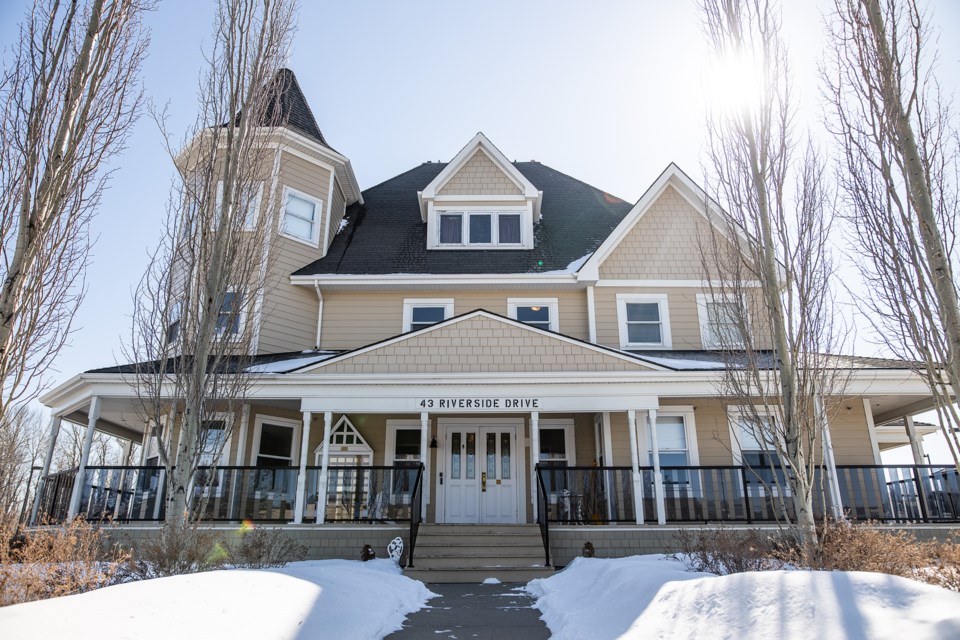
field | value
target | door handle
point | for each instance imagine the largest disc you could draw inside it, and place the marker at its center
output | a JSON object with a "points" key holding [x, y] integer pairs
{"points": [[441, 477], [483, 481]]}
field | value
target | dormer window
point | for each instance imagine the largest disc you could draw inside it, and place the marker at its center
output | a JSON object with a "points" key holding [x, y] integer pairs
{"points": [[481, 228]]}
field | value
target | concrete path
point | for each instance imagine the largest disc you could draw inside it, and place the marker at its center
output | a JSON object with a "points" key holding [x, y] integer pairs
{"points": [[467, 611]]}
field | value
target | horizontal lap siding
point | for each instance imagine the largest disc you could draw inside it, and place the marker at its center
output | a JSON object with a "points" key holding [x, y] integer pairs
{"points": [[355, 319], [290, 312], [849, 434]]}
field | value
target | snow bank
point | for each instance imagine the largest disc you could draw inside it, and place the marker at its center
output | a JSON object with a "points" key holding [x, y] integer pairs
{"points": [[653, 597], [313, 599]]}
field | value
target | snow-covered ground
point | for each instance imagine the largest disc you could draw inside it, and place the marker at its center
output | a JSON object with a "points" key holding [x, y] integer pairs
{"points": [[315, 599], [655, 597]]}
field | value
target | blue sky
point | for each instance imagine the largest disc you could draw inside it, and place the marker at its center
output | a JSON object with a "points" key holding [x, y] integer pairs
{"points": [[609, 92]]}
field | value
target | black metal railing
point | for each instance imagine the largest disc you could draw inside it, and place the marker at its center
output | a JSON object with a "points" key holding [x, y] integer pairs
{"points": [[578, 495], [900, 493], [416, 513], [543, 514]]}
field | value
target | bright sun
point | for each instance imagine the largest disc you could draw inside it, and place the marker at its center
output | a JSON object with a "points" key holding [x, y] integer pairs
{"points": [[733, 83]]}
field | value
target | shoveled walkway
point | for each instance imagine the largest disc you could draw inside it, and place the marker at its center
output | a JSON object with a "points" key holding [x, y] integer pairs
{"points": [[466, 611]]}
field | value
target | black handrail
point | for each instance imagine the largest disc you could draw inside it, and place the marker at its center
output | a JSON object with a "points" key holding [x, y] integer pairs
{"points": [[416, 513], [543, 516]]}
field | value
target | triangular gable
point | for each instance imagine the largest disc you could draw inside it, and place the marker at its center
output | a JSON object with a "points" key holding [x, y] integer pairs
{"points": [[480, 169], [480, 150], [672, 177], [480, 342]]}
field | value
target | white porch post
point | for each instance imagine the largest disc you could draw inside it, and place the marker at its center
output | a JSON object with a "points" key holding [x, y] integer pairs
{"points": [[302, 472], [425, 457], [657, 475], [324, 463], [534, 458], [830, 464], [125, 461], [242, 436], [47, 459], [872, 431], [79, 481], [635, 464], [916, 444], [606, 441]]}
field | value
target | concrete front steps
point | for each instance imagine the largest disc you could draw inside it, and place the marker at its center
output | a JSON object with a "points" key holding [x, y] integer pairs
{"points": [[452, 553]]}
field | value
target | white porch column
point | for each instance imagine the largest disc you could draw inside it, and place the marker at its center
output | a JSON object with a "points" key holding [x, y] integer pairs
{"points": [[872, 431], [607, 440], [47, 459], [657, 475], [425, 457], [302, 472], [534, 458], [324, 463], [242, 436], [78, 483], [635, 464], [916, 444], [125, 461], [830, 465]]}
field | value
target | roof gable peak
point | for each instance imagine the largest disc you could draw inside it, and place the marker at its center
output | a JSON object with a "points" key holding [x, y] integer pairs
{"points": [[482, 143]]}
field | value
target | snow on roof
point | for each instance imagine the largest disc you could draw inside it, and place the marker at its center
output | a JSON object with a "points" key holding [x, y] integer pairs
{"points": [[283, 366], [681, 364]]}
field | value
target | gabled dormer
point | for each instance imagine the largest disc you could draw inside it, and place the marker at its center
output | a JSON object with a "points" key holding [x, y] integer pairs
{"points": [[480, 201]]}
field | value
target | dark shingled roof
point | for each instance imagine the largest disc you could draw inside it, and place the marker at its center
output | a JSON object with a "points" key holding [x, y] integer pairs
{"points": [[231, 364], [294, 112], [386, 235]]}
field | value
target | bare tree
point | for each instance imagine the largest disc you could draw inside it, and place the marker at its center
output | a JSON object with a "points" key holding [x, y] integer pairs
{"points": [[899, 173], [68, 97], [21, 448], [195, 306], [768, 266]]}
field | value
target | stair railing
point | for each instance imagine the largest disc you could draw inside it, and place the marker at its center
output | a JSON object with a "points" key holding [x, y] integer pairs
{"points": [[416, 513], [543, 514]]}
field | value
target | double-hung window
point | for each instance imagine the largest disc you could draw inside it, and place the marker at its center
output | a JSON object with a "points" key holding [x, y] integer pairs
{"points": [[672, 447], [173, 325], [481, 229], [540, 313], [231, 315], [421, 313], [403, 450], [719, 321], [644, 321], [248, 203], [301, 217], [213, 443], [754, 446], [556, 452]]}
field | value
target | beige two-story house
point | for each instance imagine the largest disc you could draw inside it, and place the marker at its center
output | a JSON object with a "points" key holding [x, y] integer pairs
{"points": [[434, 338]]}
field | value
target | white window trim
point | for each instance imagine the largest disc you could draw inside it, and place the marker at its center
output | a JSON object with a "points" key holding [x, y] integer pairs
{"points": [[241, 317], [706, 337], [314, 240], [254, 205], [689, 427], [409, 304], [228, 429], [526, 226], [296, 425], [662, 300], [391, 442], [734, 414], [551, 303], [569, 441]]}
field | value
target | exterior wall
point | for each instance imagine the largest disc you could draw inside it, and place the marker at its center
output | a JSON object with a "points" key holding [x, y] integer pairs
{"points": [[466, 347], [479, 176], [338, 207], [664, 245], [289, 313], [681, 304], [849, 433], [355, 319]]}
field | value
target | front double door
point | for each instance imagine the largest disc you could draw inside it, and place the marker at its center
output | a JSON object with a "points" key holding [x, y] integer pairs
{"points": [[480, 475]]}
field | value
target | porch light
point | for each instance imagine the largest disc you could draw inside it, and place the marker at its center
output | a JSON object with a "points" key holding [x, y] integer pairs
{"points": [[433, 443], [534, 308]]}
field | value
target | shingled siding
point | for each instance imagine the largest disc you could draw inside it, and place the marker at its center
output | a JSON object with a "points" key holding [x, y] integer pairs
{"points": [[479, 345], [664, 244], [479, 176]]}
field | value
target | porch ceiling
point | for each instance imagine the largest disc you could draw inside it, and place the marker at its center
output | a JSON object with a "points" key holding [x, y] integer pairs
{"points": [[893, 407]]}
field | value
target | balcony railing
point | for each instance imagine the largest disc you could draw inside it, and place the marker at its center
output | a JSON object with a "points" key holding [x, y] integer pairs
{"points": [[230, 494], [886, 493]]}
